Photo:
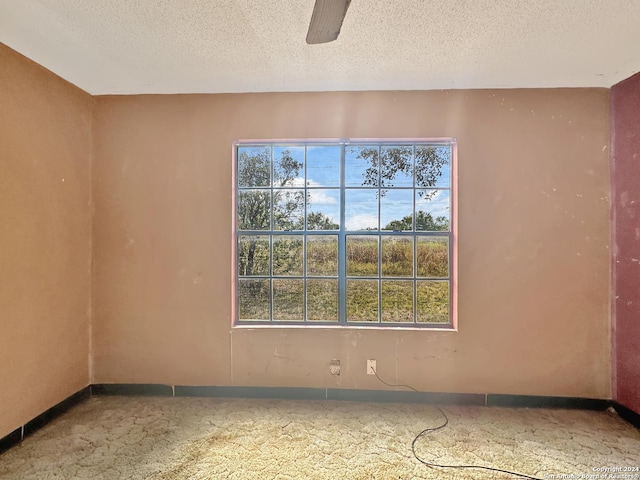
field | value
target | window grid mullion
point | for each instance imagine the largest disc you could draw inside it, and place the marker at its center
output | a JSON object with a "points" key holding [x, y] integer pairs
{"points": [[379, 281], [414, 225], [342, 234], [304, 239], [342, 244]]}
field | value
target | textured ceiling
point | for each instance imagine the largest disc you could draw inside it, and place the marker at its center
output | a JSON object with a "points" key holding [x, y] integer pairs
{"points": [[193, 46]]}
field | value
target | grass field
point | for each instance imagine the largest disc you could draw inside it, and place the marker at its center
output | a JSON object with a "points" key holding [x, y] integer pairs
{"points": [[384, 283]]}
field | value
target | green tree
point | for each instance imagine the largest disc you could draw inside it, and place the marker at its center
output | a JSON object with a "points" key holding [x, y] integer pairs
{"points": [[424, 222], [387, 163], [319, 221], [254, 206], [257, 172]]}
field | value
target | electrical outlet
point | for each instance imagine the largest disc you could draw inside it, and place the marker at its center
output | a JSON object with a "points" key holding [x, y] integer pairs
{"points": [[334, 367], [371, 367]]}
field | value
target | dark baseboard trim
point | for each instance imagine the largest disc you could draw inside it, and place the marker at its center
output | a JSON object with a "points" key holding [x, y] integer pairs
{"points": [[10, 440], [627, 414], [132, 389], [534, 401], [384, 396], [355, 395], [295, 393], [55, 411], [44, 418], [290, 393]]}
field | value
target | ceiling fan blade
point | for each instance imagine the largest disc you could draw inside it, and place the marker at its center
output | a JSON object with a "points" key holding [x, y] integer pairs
{"points": [[326, 20]]}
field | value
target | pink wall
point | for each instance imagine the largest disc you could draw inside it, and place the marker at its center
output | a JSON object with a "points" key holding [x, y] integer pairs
{"points": [[625, 190]]}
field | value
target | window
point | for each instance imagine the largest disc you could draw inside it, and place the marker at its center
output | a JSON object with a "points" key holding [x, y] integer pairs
{"points": [[345, 233]]}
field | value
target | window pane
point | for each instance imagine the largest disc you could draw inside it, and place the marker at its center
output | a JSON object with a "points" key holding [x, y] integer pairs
{"points": [[287, 255], [322, 300], [432, 302], [322, 255], [288, 166], [254, 166], [362, 255], [433, 166], [396, 207], [433, 210], [397, 301], [288, 209], [361, 209], [323, 166], [254, 299], [433, 257], [361, 166], [323, 209], [288, 299], [253, 255], [396, 166], [254, 209], [397, 256], [362, 300]]}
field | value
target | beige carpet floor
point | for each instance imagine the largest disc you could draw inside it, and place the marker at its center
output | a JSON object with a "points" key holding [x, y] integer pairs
{"points": [[211, 438]]}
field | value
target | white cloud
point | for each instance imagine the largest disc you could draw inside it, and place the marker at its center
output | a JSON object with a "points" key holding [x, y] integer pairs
{"points": [[317, 197], [297, 182], [313, 183], [437, 205], [439, 196], [321, 197], [361, 222]]}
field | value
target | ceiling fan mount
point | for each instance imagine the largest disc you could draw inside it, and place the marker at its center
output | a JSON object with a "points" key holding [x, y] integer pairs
{"points": [[326, 20]]}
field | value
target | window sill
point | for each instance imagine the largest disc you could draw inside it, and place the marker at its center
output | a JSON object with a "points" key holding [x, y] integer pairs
{"points": [[360, 328]]}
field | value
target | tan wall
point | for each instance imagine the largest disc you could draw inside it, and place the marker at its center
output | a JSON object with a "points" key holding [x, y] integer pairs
{"points": [[45, 239], [533, 242]]}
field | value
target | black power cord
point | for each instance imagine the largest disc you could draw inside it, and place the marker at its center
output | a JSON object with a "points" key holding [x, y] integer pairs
{"points": [[433, 429]]}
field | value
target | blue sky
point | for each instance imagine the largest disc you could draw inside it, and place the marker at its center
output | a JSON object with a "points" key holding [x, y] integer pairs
{"points": [[323, 181]]}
